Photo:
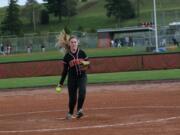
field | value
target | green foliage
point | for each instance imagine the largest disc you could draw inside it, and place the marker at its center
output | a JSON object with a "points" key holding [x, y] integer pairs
{"points": [[80, 28], [70, 9], [67, 30], [92, 14], [138, 3], [12, 25], [61, 8], [120, 9], [31, 11], [44, 17], [92, 30]]}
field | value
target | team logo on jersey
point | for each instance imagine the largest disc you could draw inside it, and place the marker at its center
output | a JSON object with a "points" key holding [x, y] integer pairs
{"points": [[75, 62]]}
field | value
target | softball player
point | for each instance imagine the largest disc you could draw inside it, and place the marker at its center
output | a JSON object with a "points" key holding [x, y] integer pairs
{"points": [[75, 61]]}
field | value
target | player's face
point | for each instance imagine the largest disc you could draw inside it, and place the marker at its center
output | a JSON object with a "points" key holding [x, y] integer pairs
{"points": [[73, 44]]}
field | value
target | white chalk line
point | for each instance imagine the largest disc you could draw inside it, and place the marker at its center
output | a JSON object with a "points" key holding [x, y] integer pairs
{"points": [[37, 120], [89, 109], [93, 126], [29, 113]]}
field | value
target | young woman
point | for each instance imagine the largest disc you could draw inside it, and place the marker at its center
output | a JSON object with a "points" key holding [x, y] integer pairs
{"points": [[75, 62]]}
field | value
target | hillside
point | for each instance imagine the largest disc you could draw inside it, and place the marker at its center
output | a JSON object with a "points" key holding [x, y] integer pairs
{"points": [[92, 15]]}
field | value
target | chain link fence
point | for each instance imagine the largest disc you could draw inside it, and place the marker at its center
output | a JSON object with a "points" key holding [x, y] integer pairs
{"points": [[48, 41], [36, 43]]}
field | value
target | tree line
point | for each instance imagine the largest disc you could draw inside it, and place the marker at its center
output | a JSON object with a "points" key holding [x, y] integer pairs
{"points": [[39, 13]]}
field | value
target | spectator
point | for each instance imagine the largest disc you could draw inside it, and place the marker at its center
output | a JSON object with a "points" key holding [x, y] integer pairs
{"points": [[147, 42], [175, 42], [122, 41], [131, 41], [119, 43], [29, 48], [112, 43], [42, 48], [127, 40], [8, 47], [2, 49], [163, 43]]}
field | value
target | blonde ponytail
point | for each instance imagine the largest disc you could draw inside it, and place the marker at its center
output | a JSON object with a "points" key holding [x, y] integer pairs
{"points": [[63, 40]]}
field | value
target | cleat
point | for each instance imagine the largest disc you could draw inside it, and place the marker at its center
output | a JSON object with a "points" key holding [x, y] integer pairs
{"points": [[69, 116], [79, 114]]}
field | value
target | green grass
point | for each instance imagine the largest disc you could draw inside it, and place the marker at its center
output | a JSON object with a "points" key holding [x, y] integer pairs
{"points": [[93, 17], [135, 76], [31, 57], [119, 77], [92, 52], [97, 52]]}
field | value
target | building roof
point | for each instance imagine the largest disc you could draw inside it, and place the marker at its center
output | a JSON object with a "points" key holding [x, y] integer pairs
{"points": [[125, 30]]}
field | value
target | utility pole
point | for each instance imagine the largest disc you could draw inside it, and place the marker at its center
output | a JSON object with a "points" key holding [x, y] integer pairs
{"points": [[155, 25]]}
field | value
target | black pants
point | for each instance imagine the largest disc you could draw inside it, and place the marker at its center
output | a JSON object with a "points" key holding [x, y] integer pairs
{"points": [[76, 90]]}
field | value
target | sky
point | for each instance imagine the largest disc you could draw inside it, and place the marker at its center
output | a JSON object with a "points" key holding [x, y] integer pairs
{"points": [[20, 2]]}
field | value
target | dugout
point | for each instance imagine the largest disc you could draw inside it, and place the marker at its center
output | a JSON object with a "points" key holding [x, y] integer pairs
{"points": [[105, 36]]}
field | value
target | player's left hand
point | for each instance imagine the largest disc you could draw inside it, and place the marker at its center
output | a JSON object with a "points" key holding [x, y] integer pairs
{"points": [[84, 65]]}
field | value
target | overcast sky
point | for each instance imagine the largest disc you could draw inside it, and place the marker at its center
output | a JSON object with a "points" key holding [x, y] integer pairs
{"points": [[20, 2]]}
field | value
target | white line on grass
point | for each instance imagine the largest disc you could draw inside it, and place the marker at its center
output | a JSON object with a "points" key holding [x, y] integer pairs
{"points": [[92, 126]]}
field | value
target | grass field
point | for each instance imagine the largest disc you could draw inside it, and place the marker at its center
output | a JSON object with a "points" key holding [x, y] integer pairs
{"points": [[93, 78], [118, 77], [90, 18], [95, 52]]}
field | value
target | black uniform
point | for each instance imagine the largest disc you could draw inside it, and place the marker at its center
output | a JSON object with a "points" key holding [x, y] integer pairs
{"points": [[77, 78]]}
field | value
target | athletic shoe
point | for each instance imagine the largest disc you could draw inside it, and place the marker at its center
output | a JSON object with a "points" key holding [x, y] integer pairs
{"points": [[69, 116], [79, 114]]}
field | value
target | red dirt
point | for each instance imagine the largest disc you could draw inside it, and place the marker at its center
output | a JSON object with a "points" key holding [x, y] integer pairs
{"points": [[133, 109]]}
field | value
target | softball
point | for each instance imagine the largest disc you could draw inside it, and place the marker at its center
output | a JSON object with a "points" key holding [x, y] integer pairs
{"points": [[58, 89]]}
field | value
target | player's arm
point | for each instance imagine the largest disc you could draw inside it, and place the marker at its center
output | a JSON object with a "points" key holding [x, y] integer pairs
{"points": [[63, 74]]}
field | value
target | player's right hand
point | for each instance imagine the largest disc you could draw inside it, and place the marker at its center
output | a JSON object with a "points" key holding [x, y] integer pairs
{"points": [[58, 88]]}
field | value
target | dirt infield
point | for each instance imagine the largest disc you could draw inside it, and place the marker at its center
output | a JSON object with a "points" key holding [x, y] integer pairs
{"points": [[133, 109]]}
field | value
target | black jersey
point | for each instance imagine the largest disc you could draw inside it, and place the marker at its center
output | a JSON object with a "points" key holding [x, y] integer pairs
{"points": [[71, 63]]}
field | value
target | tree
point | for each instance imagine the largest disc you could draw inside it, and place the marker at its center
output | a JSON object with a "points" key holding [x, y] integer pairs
{"points": [[120, 9], [44, 17], [32, 11], [138, 3], [70, 9], [12, 24], [61, 8], [30, 2]]}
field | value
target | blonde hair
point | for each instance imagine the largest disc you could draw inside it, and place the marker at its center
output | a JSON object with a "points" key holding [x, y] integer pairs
{"points": [[63, 40]]}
